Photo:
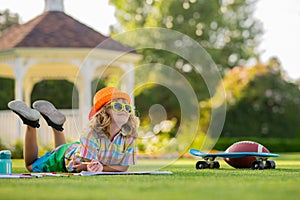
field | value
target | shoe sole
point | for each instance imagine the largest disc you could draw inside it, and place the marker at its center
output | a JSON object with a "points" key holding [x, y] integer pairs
{"points": [[21, 108], [48, 109]]}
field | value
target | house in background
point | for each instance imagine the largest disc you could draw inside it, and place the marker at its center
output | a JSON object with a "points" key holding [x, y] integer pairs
{"points": [[56, 46]]}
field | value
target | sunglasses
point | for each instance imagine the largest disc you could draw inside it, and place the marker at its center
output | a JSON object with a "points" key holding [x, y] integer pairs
{"points": [[118, 107]]}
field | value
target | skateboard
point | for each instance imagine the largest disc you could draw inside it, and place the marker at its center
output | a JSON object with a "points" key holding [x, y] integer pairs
{"points": [[261, 161]]}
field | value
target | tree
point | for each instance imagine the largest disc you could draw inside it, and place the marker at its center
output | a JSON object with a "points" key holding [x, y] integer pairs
{"points": [[8, 19], [260, 103], [226, 30]]}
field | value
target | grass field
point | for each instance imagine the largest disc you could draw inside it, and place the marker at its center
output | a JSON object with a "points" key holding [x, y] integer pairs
{"points": [[185, 183]]}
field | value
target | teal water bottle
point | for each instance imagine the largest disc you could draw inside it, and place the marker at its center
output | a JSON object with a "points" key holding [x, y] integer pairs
{"points": [[5, 162]]}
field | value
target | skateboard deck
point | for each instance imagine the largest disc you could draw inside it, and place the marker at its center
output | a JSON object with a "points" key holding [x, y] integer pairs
{"points": [[210, 162], [231, 154]]}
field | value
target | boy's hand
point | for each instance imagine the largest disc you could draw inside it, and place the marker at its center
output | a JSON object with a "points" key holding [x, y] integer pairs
{"points": [[95, 166], [79, 166]]}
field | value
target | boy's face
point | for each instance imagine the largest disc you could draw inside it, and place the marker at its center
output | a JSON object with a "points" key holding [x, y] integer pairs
{"points": [[118, 115]]}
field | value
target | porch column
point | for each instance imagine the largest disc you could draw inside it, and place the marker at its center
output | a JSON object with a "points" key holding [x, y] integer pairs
{"points": [[19, 71], [85, 96]]}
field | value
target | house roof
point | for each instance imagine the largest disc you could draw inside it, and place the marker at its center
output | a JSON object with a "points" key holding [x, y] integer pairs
{"points": [[56, 29]]}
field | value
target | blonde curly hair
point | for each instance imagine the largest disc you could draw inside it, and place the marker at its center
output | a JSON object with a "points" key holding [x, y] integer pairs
{"points": [[100, 123]]}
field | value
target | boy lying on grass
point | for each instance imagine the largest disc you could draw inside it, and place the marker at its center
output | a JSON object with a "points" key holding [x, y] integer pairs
{"points": [[107, 145]]}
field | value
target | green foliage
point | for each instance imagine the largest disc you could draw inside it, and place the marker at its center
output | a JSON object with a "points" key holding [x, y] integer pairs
{"points": [[226, 29], [8, 19], [2, 146], [6, 92], [157, 145], [44, 148], [97, 85], [17, 150], [60, 92], [260, 103], [268, 110], [157, 95]]}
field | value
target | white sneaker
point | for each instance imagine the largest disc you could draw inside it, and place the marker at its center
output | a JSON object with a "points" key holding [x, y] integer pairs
{"points": [[21, 108], [53, 117], [29, 116]]}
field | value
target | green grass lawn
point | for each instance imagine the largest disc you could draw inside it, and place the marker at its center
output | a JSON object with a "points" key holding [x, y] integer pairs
{"points": [[185, 183]]}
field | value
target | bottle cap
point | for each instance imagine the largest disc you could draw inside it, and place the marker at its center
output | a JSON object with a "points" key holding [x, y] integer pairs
{"points": [[5, 154]]}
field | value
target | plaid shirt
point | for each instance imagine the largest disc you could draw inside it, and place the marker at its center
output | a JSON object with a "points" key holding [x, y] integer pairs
{"points": [[120, 151]]}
